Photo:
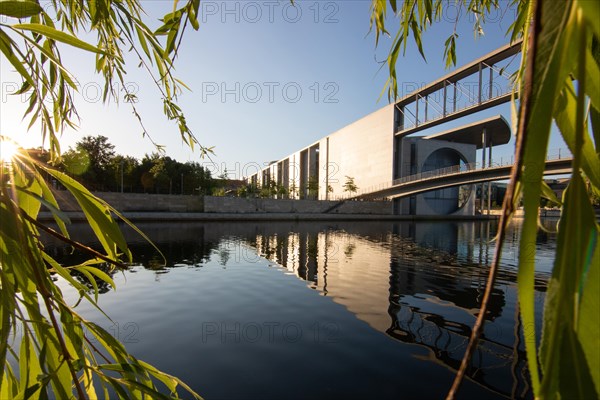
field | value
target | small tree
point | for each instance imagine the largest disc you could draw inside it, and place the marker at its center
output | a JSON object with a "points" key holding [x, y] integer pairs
{"points": [[313, 188], [282, 192], [329, 189], [350, 186], [293, 190]]}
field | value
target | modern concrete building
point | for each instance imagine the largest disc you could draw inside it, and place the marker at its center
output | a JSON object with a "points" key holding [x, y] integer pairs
{"points": [[381, 149]]}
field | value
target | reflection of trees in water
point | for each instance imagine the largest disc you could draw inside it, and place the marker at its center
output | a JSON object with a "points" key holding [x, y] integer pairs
{"points": [[103, 287], [176, 253], [349, 250]]}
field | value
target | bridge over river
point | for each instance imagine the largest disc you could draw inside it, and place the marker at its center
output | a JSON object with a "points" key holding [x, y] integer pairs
{"points": [[463, 174]]}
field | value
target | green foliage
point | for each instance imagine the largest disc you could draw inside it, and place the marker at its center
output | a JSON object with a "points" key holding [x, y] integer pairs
{"points": [[115, 24], [243, 191], [282, 192], [293, 190], [39, 330], [41, 333], [218, 192], [91, 159], [415, 17], [349, 186], [94, 164], [560, 42], [269, 190], [313, 187]]}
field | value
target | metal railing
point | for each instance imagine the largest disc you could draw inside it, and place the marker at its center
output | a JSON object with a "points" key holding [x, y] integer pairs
{"points": [[552, 155], [470, 103]]}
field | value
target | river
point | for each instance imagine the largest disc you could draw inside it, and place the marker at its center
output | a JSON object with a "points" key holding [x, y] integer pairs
{"points": [[307, 310]]}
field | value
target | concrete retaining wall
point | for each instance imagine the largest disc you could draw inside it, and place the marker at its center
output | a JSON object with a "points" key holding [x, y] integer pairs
{"points": [[128, 202], [139, 202], [241, 205]]}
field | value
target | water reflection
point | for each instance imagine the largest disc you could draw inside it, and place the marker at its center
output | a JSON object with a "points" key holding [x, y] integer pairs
{"points": [[420, 284]]}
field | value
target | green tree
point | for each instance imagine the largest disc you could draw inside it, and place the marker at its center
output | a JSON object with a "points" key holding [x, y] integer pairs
{"points": [[282, 192], [127, 168], [349, 185], [99, 152], [560, 44], [199, 180], [243, 191], [329, 189], [313, 188], [293, 191], [55, 358]]}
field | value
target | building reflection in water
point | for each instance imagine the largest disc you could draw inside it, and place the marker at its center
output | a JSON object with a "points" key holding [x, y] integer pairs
{"points": [[419, 283]]}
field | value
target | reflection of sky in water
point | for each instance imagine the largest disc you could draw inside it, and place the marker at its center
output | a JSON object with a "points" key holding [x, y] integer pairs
{"points": [[389, 313]]}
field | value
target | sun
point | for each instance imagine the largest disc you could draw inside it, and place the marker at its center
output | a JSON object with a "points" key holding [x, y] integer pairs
{"points": [[8, 149]]}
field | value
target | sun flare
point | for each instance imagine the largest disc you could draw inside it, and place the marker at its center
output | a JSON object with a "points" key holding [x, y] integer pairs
{"points": [[8, 149]]}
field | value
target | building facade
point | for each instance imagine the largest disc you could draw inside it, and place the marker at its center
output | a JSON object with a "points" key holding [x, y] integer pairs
{"points": [[382, 148]]}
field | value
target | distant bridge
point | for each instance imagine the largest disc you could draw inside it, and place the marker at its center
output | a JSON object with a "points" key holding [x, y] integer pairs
{"points": [[453, 176]]}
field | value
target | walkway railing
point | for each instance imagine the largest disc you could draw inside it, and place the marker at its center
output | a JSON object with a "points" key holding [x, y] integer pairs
{"points": [[553, 154]]}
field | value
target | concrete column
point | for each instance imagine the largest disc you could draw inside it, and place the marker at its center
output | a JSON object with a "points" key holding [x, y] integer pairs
{"points": [[327, 169], [489, 185], [444, 112], [417, 110], [491, 92], [480, 82], [483, 146], [454, 100], [483, 149]]}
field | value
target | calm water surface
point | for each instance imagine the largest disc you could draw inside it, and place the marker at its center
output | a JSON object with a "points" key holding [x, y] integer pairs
{"points": [[320, 310]]}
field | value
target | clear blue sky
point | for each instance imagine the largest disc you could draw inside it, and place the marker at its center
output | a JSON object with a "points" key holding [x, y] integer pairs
{"points": [[321, 48]]}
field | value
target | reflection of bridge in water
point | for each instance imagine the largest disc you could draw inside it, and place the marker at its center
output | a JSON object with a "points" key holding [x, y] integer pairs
{"points": [[414, 293]]}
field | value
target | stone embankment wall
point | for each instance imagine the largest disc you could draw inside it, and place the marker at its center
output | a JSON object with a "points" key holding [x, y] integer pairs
{"points": [[139, 202]]}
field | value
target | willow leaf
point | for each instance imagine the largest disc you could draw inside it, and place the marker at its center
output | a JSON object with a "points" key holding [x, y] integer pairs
{"points": [[575, 378], [91, 280], [549, 194], [592, 79], [28, 191], [591, 11], [564, 113], [64, 273], [97, 214], [170, 381], [551, 65], [19, 8], [595, 119], [588, 329], [59, 36], [99, 274], [577, 230], [7, 48]]}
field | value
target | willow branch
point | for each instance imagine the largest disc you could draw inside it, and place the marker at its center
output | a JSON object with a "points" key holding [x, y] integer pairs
{"points": [[73, 243], [508, 205], [41, 285]]}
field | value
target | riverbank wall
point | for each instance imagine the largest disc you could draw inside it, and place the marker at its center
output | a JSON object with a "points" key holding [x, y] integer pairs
{"points": [[162, 207], [140, 202]]}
